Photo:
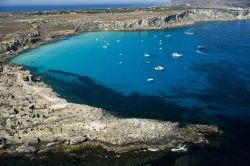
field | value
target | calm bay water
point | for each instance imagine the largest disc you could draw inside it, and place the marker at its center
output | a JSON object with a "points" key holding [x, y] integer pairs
{"points": [[209, 85]]}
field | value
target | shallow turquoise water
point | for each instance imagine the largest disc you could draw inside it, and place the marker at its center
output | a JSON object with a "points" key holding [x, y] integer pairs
{"points": [[215, 79]]}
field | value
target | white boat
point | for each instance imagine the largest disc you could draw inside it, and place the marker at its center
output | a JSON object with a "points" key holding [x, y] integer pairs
{"points": [[176, 55], [146, 55], [150, 79], [120, 54], [159, 68], [181, 149], [118, 41], [147, 62], [153, 149], [160, 48], [200, 47], [120, 62], [168, 35], [189, 33], [105, 46]]}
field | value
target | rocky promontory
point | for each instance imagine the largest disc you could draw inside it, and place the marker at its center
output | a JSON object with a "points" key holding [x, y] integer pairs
{"points": [[34, 120]]}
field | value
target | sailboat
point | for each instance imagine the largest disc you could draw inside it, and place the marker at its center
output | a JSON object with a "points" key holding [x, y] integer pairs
{"points": [[146, 54]]}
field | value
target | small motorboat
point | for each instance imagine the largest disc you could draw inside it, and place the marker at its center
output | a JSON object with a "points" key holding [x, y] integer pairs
{"points": [[120, 54], [176, 55], [168, 35], [120, 62], [189, 33], [153, 149], [105, 46], [180, 149], [200, 47], [150, 79], [159, 68], [160, 48], [147, 62]]}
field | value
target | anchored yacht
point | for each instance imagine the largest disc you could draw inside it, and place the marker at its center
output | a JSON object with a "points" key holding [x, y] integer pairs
{"points": [[176, 55], [159, 68]]}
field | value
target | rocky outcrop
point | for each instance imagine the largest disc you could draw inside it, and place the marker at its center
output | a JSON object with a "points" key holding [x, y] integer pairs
{"points": [[211, 3], [181, 18], [34, 120]]}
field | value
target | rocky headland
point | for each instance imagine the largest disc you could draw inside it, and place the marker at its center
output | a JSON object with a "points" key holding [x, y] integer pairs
{"points": [[34, 120]]}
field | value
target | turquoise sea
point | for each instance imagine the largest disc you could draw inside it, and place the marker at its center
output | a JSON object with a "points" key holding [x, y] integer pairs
{"points": [[206, 79]]}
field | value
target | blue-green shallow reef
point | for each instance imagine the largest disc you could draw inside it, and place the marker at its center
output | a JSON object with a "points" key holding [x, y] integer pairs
{"points": [[208, 85]]}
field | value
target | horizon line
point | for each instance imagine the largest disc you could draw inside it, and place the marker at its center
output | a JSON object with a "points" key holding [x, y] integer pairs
{"points": [[108, 3]]}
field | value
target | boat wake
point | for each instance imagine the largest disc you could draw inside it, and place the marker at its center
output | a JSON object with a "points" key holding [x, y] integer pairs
{"points": [[200, 52]]}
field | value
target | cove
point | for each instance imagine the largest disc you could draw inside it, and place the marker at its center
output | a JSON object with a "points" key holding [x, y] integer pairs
{"points": [[90, 67], [210, 85]]}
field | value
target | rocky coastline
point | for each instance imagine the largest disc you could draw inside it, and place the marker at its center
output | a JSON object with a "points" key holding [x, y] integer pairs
{"points": [[34, 120], [22, 32]]}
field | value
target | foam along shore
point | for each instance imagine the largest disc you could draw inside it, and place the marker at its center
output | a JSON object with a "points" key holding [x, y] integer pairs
{"points": [[34, 120]]}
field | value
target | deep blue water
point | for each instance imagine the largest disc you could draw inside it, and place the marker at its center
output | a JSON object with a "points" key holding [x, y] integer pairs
{"points": [[35, 8], [210, 85]]}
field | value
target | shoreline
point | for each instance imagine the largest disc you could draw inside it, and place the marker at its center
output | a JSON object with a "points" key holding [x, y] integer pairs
{"points": [[181, 18], [67, 126], [38, 121]]}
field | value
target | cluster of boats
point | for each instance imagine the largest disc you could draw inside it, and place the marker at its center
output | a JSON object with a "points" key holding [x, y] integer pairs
{"points": [[146, 55]]}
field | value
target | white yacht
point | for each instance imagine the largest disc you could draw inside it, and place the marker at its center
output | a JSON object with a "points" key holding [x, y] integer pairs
{"points": [[150, 79], [176, 55], [159, 68], [200, 47]]}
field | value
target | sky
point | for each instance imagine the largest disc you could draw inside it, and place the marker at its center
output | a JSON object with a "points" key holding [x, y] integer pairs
{"points": [[62, 2]]}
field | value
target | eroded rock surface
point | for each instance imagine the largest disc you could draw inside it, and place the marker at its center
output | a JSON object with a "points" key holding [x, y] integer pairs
{"points": [[34, 119]]}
